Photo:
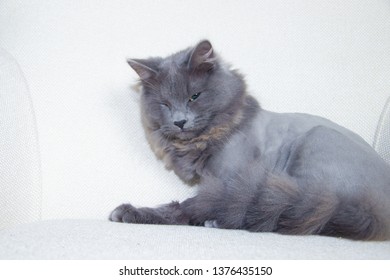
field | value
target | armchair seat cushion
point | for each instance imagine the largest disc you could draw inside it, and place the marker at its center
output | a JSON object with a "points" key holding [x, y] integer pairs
{"points": [[97, 239]]}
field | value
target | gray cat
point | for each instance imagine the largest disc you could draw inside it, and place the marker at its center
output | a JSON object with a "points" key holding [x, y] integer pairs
{"points": [[256, 170]]}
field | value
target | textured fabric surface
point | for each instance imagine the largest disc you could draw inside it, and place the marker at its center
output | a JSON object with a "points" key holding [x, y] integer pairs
{"points": [[92, 239], [382, 137], [20, 182], [328, 58]]}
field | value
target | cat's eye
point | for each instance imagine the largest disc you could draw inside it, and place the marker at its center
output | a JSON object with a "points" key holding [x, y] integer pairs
{"points": [[165, 104], [194, 97]]}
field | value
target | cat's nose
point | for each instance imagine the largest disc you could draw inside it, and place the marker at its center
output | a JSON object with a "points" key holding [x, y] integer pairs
{"points": [[180, 123]]}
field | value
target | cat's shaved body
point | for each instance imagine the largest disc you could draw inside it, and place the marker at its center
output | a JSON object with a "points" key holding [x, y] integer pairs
{"points": [[256, 170]]}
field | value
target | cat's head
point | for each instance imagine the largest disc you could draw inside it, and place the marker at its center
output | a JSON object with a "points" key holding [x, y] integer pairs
{"points": [[188, 93]]}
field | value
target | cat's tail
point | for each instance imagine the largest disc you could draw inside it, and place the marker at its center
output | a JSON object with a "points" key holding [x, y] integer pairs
{"points": [[281, 205], [362, 217], [357, 221], [317, 211]]}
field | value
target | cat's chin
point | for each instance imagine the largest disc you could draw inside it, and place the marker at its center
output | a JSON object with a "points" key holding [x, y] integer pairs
{"points": [[182, 135], [185, 135]]}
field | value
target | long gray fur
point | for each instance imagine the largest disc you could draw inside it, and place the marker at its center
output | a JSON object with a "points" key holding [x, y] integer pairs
{"points": [[256, 170]]}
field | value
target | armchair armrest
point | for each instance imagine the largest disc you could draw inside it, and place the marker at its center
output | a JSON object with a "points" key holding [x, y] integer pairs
{"points": [[20, 179]]}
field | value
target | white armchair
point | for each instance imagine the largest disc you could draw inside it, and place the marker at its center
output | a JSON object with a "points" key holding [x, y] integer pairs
{"points": [[72, 147]]}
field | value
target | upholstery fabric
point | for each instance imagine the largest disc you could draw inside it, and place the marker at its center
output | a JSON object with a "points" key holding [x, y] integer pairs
{"points": [[20, 178], [93, 239], [382, 137]]}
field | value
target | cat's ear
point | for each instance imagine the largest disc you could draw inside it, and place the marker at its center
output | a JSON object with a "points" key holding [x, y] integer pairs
{"points": [[202, 57], [143, 67]]}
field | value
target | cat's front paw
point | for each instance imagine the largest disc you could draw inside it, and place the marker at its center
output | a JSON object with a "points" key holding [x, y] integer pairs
{"points": [[125, 213]]}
